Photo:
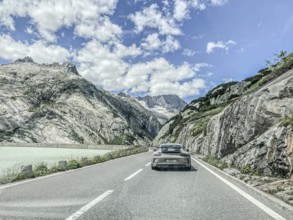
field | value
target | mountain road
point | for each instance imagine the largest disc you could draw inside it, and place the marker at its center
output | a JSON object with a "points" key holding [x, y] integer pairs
{"points": [[127, 188]]}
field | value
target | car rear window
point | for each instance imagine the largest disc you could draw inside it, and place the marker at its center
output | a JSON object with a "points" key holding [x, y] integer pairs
{"points": [[171, 148]]}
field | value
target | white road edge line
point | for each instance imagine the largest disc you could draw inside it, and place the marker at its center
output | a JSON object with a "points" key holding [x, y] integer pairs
{"points": [[260, 205], [148, 164], [89, 205], [132, 175]]}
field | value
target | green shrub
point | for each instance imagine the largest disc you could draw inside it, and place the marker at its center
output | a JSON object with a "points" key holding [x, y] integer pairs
{"points": [[288, 120], [73, 164], [245, 169], [257, 172], [215, 162], [20, 176], [10, 175], [269, 74], [55, 169], [176, 121], [124, 139], [199, 127], [108, 156], [41, 169], [96, 159]]}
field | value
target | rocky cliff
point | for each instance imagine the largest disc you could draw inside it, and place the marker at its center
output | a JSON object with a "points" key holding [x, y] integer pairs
{"points": [[52, 103], [163, 106], [246, 123]]}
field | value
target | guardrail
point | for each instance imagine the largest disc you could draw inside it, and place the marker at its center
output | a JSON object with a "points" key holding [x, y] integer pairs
{"points": [[71, 146]]}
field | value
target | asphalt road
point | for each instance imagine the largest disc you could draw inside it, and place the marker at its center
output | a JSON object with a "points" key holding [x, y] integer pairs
{"points": [[127, 188]]}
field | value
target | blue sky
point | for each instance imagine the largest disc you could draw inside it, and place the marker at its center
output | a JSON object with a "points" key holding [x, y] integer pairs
{"points": [[185, 47]]}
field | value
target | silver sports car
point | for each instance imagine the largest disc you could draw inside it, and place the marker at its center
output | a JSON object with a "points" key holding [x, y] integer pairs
{"points": [[171, 155]]}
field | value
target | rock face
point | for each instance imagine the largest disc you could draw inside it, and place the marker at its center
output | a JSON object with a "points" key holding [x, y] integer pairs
{"points": [[52, 103], [163, 106], [242, 123]]}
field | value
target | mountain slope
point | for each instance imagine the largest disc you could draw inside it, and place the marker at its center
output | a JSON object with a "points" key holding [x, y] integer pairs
{"points": [[163, 106], [242, 123], [52, 103]]}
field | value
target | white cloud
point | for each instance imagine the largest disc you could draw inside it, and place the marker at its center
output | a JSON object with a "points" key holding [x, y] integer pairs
{"points": [[166, 23], [105, 65], [226, 80], [211, 46], [180, 10], [39, 51], [185, 89], [104, 30], [170, 44], [188, 52], [182, 7], [160, 77], [153, 43], [198, 4], [153, 18], [50, 16], [218, 2], [29, 30], [103, 59]]}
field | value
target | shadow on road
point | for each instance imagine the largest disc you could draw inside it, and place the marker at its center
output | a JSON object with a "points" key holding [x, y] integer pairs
{"points": [[175, 169]]}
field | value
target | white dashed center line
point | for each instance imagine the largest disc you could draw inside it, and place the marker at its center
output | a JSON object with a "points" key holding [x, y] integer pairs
{"points": [[148, 164], [89, 205], [132, 175]]}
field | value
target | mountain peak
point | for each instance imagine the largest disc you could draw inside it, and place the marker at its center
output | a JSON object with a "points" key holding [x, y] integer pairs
{"points": [[170, 101], [122, 94], [25, 60], [163, 106], [70, 67]]}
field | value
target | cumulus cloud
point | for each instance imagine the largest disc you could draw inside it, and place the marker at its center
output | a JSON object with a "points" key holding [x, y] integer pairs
{"points": [[180, 10], [105, 64], [153, 43], [184, 89], [218, 2], [188, 52], [164, 21], [152, 17], [198, 4], [40, 51], [158, 76], [50, 16], [109, 69], [211, 46], [182, 7], [104, 30], [103, 58]]}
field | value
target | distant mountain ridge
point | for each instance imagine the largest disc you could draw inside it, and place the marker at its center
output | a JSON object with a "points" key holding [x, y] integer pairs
{"points": [[163, 106], [170, 102]]}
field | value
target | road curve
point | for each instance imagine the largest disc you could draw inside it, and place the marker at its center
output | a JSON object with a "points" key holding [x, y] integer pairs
{"points": [[127, 188]]}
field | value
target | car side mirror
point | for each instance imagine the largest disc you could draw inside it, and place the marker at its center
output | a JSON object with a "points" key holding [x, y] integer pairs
{"points": [[187, 150]]}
